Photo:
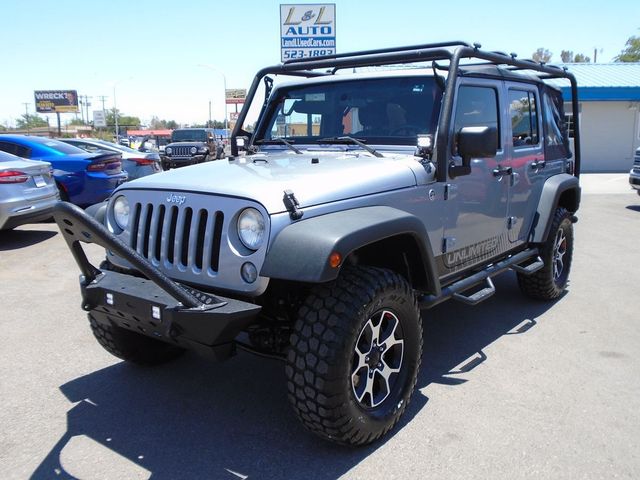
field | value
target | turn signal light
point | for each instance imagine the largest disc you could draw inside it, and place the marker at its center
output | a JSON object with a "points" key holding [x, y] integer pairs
{"points": [[335, 259]]}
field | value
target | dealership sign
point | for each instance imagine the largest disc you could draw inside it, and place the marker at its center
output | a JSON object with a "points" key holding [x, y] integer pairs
{"points": [[235, 95], [56, 101], [307, 30]]}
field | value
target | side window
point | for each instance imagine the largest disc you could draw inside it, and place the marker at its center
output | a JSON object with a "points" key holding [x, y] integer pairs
{"points": [[88, 147], [477, 107], [556, 141], [524, 118], [15, 149]]}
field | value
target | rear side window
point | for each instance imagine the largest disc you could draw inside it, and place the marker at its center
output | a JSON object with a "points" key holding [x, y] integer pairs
{"points": [[15, 149], [524, 118], [556, 141], [477, 107]]}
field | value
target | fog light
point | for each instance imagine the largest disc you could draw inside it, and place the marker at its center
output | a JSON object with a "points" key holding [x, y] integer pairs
{"points": [[249, 272], [109, 298], [155, 312]]}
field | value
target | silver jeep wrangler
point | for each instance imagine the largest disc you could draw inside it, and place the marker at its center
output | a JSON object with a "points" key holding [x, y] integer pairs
{"points": [[362, 198]]}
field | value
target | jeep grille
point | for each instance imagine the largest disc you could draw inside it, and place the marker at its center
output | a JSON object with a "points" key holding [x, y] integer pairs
{"points": [[181, 151], [173, 236]]}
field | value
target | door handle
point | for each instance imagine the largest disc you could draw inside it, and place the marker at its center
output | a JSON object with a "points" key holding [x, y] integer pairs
{"points": [[538, 164], [502, 171]]}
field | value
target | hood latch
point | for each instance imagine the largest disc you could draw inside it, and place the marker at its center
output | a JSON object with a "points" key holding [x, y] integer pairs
{"points": [[291, 204]]}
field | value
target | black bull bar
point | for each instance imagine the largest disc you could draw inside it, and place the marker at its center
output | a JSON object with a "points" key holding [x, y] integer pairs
{"points": [[151, 304]]}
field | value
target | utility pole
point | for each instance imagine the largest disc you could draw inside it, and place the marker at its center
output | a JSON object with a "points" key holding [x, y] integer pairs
{"points": [[102, 99], [26, 114], [86, 104], [210, 124]]}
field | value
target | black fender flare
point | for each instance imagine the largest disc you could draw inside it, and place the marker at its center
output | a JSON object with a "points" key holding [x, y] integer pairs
{"points": [[301, 251], [554, 187]]}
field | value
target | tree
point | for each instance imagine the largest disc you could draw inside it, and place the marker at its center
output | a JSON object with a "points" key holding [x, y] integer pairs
{"points": [[566, 56], [580, 58], [632, 51], [542, 55], [77, 121], [31, 121], [123, 120], [157, 124]]}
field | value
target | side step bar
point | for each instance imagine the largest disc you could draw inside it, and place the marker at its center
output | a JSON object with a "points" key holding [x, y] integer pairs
{"points": [[456, 289]]}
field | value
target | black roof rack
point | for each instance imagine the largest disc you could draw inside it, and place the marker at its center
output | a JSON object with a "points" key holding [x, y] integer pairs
{"points": [[452, 52]]}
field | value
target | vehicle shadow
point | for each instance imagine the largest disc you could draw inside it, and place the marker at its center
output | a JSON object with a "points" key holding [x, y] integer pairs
{"points": [[15, 239], [635, 208], [196, 419]]}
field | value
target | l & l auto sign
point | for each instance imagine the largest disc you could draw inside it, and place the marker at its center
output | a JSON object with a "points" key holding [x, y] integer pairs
{"points": [[307, 30]]}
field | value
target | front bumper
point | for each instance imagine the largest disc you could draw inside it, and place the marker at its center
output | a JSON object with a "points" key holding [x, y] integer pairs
{"points": [[155, 305], [181, 161], [634, 180]]}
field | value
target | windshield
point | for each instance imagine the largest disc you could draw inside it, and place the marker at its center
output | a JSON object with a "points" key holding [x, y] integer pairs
{"points": [[189, 136], [378, 111]]}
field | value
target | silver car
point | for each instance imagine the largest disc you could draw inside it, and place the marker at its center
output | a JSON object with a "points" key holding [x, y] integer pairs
{"points": [[136, 164], [28, 191]]}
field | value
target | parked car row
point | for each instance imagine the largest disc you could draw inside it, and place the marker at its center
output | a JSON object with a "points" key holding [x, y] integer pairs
{"points": [[36, 172], [136, 164], [634, 174], [27, 191]]}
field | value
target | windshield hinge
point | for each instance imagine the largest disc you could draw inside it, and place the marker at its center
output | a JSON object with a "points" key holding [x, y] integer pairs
{"points": [[291, 204]]}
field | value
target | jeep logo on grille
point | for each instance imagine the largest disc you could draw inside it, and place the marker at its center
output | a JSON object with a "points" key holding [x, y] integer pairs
{"points": [[179, 199]]}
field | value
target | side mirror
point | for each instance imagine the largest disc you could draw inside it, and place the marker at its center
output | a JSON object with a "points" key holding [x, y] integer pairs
{"points": [[474, 142]]}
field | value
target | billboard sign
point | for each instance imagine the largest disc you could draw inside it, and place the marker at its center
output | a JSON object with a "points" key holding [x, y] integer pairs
{"points": [[56, 101], [235, 95], [307, 30], [99, 119]]}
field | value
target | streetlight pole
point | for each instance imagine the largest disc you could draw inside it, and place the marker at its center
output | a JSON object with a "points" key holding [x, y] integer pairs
{"points": [[115, 112], [115, 106], [224, 82]]}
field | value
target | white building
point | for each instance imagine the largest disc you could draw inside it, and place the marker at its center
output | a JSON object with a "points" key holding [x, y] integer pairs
{"points": [[609, 96]]}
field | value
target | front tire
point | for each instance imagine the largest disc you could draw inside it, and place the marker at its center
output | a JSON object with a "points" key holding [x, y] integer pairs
{"points": [[355, 352], [131, 346], [551, 281]]}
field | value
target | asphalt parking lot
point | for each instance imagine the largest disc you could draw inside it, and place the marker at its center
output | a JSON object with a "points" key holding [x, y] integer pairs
{"points": [[511, 388]]}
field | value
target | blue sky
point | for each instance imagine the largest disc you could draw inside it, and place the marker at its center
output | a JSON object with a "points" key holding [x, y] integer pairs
{"points": [[152, 50]]}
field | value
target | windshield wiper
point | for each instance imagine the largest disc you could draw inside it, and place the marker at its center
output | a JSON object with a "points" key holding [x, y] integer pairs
{"points": [[282, 141], [355, 141]]}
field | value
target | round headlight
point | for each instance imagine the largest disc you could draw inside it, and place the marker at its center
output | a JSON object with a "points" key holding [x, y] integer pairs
{"points": [[251, 228], [193, 150], [168, 150], [121, 212]]}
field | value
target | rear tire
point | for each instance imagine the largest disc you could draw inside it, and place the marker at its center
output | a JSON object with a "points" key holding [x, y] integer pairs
{"points": [[551, 281], [63, 194], [355, 352], [133, 347]]}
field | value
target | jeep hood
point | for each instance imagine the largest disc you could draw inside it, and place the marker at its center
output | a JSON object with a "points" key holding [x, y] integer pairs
{"points": [[314, 178]]}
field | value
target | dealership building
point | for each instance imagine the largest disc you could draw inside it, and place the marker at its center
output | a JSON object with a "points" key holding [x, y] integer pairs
{"points": [[609, 96]]}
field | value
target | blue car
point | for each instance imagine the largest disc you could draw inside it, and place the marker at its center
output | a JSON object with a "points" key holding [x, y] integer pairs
{"points": [[83, 178]]}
